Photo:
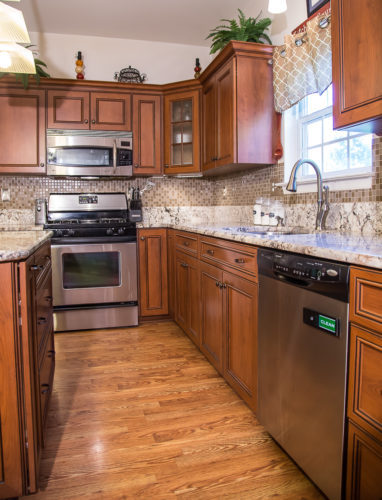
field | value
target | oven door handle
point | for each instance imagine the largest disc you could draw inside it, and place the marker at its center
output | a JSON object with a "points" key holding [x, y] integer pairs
{"points": [[93, 240], [114, 157]]}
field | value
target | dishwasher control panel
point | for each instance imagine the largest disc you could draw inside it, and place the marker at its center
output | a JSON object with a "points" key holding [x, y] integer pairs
{"points": [[304, 268]]}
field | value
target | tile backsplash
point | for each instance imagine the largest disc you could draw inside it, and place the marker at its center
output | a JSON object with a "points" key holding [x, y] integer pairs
{"points": [[240, 189]]}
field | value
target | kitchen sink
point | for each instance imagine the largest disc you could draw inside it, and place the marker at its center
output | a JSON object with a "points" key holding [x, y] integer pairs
{"points": [[269, 231]]}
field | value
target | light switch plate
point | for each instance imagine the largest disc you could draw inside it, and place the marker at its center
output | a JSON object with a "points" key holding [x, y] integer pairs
{"points": [[5, 194]]}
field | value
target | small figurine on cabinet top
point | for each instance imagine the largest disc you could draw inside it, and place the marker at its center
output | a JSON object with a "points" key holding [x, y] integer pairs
{"points": [[79, 66], [197, 68]]}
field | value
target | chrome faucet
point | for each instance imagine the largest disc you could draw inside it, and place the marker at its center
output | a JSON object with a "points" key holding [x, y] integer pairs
{"points": [[322, 192]]}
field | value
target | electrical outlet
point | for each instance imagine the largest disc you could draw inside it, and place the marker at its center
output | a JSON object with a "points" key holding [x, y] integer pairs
{"points": [[5, 194]]}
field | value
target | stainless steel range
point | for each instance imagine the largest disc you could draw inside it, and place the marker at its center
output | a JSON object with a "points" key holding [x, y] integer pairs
{"points": [[94, 261]]}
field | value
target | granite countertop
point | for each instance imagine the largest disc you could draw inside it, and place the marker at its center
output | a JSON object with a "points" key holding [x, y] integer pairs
{"points": [[19, 244], [349, 248]]}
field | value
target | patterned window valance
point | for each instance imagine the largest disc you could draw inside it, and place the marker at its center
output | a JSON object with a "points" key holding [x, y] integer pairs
{"points": [[304, 64]]}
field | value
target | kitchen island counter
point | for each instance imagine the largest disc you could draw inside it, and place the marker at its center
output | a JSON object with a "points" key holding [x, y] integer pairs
{"points": [[19, 245]]}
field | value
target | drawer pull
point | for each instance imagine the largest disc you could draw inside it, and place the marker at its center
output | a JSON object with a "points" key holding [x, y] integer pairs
{"points": [[41, 321], [217, 283], [48, 298], [186, 243], [44, 391], [143, 238], [183, 264], [240, 261], [51, 354], [36, 268], [210, 252]]}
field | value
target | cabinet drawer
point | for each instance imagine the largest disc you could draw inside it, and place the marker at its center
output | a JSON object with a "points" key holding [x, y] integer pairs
{"points": [[187, 242], [234, 255], [46, 377], [44, 310], [365, 380], [366, 298], [42, 263]]}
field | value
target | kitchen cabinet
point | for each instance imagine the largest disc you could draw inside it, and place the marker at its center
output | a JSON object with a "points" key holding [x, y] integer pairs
{"points": [[22, 131], [78, 109], [181, 132], [147, 141], [238, 117], [153, 274], [171, 272], [26, 378], [365, 386], [357, 65], [187, 313]]}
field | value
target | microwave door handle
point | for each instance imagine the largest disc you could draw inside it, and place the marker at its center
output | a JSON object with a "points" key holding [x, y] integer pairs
{"points": [[114, 157]]}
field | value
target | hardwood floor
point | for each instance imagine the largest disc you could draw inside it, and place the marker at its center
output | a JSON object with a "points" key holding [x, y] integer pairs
{"points": [[140, 413]]}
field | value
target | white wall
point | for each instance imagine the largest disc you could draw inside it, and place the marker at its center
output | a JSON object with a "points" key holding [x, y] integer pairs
{"points": [[288, 21], [162, 62]]}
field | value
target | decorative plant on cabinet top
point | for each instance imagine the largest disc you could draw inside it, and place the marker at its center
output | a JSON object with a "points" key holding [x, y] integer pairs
{"points": [[246, 30]]}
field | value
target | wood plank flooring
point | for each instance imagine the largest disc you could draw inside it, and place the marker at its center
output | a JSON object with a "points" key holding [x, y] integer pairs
{"points": [[140, 413]]}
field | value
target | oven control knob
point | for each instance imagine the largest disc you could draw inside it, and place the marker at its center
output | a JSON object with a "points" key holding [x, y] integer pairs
{"points": [[59, 232], [110, 231], [121, 230], [71, 232]]}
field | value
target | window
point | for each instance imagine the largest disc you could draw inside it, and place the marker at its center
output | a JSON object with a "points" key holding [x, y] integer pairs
{"points": [[308, 133]]}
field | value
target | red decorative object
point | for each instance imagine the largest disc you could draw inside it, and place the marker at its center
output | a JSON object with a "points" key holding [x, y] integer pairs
{"points": [[197, 68], [79, 69]]}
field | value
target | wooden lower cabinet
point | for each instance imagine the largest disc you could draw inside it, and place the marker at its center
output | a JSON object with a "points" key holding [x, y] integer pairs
{"points": [[364, 468], [153, 273], [211, 341], [26, 371], [240, 315]]}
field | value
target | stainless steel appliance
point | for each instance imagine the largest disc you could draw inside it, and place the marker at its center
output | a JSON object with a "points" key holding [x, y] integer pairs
{"points": [[94, 261], [89, 153], [302, 363]]}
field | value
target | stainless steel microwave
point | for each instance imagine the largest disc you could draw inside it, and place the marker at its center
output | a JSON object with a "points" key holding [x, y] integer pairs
{"points": [[89, 153]]}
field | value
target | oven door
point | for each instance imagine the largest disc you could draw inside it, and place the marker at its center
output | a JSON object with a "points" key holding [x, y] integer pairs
{"points": [[94, 273]]}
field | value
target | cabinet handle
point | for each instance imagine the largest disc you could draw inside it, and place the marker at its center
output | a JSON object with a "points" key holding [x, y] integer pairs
{"points": [[210, 252], [42, 164], [51, 354], [143, 238], [36, 268], [183, 264], [93, 122], [240, 261], [217, 283], [44, 391], [224, 285], [86, 121], [41, 321]]}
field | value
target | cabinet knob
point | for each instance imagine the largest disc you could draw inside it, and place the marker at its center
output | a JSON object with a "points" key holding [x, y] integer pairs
{"points": [[217, 283], [36, 268], [136, 165], [86, 121], [183, 264], [93, 122], [210, 252], [143, 238], [42, 164], [44, 391], [186, 243]]}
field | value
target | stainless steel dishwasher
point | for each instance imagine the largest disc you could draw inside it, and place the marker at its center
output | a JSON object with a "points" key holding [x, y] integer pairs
{"points": [[302, 361]]}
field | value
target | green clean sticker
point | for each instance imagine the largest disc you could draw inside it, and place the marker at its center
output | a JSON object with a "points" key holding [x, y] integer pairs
{"points": [[327, 323]]}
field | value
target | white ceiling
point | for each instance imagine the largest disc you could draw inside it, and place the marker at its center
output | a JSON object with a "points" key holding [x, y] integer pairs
{"points": [[173, 21]]}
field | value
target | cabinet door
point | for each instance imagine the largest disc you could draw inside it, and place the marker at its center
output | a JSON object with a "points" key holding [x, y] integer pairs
{"points": [[146, 135], [181, 287], [225, 115], [11, 471], [171, 271], [181, 133], [240, 367], [357, 64], [193, 329], [68, 109], [209, 124], [22, 131], [364, 466], [110, 111], [153, 280], [211, 342]]}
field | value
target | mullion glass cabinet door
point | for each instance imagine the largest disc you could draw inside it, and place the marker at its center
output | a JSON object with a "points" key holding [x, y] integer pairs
{"points": [[181, 131]]}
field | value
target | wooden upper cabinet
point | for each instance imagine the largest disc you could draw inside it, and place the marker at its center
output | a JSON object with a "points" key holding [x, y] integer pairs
{"points": [[22, 131], [153, 273], [69, 109], [146, 134], [238, 117], [357, 64], [181, 132]]}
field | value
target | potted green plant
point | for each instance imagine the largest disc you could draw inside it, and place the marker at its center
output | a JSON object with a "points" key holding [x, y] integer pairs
{"points": [[245, 30], [24, 77]]}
